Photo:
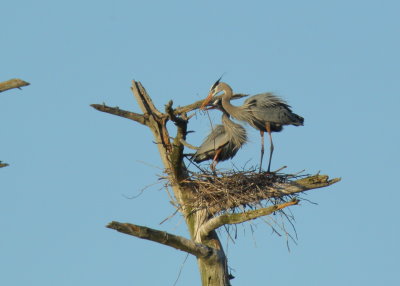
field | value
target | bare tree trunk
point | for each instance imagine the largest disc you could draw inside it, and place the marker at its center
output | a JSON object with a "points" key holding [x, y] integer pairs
{"points": [[202, 224]]}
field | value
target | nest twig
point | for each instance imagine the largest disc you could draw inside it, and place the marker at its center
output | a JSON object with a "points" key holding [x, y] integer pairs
{"points": [[223, 191]]}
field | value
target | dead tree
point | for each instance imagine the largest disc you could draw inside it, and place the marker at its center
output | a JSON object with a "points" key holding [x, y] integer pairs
{"points": [[10, 84], [203, 219]]}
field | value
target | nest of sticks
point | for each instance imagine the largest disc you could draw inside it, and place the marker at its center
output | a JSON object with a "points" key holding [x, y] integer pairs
{"points": [[229, 190]]}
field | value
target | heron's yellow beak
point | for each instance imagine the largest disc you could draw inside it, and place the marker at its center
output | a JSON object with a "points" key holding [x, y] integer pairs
{"points": [[207, 100]]}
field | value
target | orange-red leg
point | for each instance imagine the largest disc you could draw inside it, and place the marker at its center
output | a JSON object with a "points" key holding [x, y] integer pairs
{"points": [[262, 149], [271, 150], [215, 159]]}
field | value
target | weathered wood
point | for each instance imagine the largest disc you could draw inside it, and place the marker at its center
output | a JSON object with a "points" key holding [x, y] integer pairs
{"points": [[142, 119], [12, 83], [237, 218], [175, 241], [308, 183]]}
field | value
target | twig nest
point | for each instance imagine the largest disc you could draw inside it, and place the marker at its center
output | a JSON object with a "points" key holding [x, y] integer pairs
{"points": [[223, 191]]}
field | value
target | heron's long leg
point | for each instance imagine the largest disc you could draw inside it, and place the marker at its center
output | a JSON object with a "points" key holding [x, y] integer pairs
{"points": [[271, 150], [215, 160], [262, 149]]}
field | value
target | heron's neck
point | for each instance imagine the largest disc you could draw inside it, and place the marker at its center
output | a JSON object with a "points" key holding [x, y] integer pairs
{"points": [[226, 102], [225, 118]]}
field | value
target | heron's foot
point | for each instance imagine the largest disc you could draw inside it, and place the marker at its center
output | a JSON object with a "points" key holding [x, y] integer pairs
{"points": [[212, 168]]}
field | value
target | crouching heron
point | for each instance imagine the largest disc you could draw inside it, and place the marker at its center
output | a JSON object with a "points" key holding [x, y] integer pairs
{"points": [[223, 142]]}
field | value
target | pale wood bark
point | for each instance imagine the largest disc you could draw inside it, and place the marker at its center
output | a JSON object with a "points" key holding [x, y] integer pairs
{"points": [[122, 113], [175, 241], [12, 83], [237, 218]]}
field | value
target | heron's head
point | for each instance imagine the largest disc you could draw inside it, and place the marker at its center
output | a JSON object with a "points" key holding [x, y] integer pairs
{"points": [[214, 90]]}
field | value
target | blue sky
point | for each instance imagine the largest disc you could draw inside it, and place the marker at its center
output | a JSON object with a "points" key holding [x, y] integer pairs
{"points": [[72, 168]]}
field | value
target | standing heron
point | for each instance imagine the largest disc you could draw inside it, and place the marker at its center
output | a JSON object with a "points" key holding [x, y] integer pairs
{"points": [[223, 142], [265, 112]]}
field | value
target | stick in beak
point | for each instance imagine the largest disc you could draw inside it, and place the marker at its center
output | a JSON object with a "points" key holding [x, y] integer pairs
{"points": [[207, 100]]}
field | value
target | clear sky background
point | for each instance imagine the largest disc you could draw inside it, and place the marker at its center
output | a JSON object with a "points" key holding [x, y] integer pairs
{"points": [[72, 167]]}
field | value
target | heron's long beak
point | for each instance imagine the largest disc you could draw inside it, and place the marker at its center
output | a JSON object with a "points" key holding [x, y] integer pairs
{"points": [[207, 100]]}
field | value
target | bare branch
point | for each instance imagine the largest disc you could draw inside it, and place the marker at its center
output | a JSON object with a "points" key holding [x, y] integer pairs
{"points": [[177, 242], [236, 218], [142, 119], [3, 164], [12, 83], [305, 184], [197, 104], [157, 120], [144, 100], [176, 155], [179, 121]]}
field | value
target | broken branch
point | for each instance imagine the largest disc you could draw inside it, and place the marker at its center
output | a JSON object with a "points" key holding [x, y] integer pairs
{"points": [[308, 183], [12, 83], [142, 119], [144, 100]]}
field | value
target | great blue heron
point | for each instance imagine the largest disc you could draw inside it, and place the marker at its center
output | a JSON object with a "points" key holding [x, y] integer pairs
{"points": [[223, 142], [265, 112]]}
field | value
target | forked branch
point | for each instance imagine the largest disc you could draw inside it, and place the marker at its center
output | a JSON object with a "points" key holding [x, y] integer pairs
{"points": [[177, 242], [157, 120], [237, 218], [144, 100]]}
